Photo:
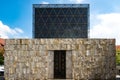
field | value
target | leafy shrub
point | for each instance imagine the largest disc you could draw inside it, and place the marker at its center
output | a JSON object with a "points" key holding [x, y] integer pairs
{"points": [[1, 56], [117, 57]]}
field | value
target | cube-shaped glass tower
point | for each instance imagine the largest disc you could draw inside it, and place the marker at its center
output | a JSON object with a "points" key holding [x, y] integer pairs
{"points": [[60, 20]]}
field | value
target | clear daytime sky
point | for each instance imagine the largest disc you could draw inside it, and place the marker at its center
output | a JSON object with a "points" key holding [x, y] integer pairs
{"points": [[16, 17]]}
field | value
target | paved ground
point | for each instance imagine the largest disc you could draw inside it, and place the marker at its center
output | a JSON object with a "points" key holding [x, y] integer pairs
{"points": [[2, 78], [117, 78]]}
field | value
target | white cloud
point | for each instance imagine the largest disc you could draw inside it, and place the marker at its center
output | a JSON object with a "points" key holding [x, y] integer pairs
{"points": [[7, 32], [76, 1], [71, 1], [19, 30], [45, 2], [106, 26]]}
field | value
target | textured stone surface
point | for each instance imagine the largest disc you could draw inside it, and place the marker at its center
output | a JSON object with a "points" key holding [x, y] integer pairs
{"points": [[32, 59]]}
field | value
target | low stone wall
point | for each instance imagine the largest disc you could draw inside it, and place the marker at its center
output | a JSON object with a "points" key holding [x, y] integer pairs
{"points": [[32, 59]]}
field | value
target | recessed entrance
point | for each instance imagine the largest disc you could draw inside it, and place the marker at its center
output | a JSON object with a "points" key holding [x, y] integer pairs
{"points": [[59, 64]]}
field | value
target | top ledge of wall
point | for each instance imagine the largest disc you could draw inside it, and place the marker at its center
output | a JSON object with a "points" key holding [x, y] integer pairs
{"points": [[60, 41]]}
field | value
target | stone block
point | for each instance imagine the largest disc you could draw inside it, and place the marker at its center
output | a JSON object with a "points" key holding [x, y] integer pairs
{"points": [[63, 47], [42, 47], [69, 47], [42, 41]]}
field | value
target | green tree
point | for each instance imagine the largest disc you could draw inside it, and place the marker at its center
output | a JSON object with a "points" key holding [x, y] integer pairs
{"points": [[1, 56], [118, 57]]}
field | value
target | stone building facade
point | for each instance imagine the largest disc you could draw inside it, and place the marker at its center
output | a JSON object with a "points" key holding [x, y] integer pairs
{"points": [[85, 59]]}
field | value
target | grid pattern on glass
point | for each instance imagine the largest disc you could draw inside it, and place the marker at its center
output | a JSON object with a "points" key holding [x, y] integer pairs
{"points": [[61, 23]]}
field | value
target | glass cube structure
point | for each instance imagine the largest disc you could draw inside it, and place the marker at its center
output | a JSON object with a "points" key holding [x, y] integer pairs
{"points": [[60, 20]]}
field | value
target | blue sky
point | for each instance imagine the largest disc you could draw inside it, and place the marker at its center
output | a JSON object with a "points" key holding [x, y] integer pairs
{"points": [[16, 17]]}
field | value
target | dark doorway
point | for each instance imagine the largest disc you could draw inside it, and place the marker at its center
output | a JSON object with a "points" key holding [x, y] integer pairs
{"points": [[60, 64]]}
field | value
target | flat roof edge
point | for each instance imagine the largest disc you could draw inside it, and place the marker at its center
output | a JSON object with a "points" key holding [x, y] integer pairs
{"points": [[60, 5]]}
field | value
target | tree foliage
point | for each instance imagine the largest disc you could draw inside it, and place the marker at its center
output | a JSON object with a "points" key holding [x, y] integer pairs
{"points": [[1, 56], [118, 56]]}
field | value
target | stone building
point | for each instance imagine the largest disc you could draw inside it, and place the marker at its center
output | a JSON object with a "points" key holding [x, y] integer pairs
{"points": [[48, 59], [61, 48]]}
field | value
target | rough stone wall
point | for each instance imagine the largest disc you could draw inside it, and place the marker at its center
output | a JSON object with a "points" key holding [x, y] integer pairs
{"points": [[25, 60], [94, 59], [30, 59]]}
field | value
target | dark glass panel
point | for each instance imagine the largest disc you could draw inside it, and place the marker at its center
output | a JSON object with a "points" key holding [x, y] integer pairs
{"points": [[61, 22]]}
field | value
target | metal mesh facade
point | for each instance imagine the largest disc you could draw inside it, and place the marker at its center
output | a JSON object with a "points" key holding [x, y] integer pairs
{"points": [[60, 21]]}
